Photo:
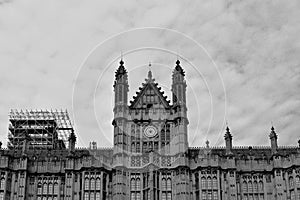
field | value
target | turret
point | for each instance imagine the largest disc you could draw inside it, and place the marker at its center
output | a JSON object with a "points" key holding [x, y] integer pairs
{"points": [[273, 138], [120, 109], [228, 141], [179, 142], [179, 86], [121, 85]]}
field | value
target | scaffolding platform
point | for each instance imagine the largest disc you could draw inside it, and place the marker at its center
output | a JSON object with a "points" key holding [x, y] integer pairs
{"points": [[42, 129]]}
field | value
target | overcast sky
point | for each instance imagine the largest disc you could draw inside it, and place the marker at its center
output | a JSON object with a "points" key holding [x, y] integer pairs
{"points": [[242, 62]]}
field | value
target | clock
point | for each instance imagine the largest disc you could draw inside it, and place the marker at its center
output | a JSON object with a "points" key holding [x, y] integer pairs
{"points": [[150, 131]]}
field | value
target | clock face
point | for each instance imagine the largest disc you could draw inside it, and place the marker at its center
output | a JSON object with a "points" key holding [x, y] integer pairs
{"points": [[150, 131]]}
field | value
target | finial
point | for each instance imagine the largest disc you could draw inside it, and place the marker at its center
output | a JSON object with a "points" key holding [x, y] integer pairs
{"points": [[177, 62], [121, 62], [207, 144], [227, 129], [272, 129]]}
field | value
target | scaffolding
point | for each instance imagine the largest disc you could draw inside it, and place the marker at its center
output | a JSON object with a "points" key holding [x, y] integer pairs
{"points": [[41, 129]]}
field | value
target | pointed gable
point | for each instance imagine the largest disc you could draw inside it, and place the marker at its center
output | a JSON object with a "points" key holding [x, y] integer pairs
{"points": [[149, 94]]}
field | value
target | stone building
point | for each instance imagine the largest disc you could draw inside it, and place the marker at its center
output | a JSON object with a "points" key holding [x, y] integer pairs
{"points": [[150, 159]]}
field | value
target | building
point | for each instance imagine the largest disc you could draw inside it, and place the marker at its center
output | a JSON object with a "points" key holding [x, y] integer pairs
{"points": [[150, 159]]}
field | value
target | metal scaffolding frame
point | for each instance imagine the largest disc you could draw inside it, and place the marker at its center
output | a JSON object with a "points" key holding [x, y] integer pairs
{"points": [[39, 128]]}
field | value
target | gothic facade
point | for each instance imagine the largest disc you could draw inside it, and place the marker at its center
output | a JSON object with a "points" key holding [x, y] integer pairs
{"points": [[150, 158]]}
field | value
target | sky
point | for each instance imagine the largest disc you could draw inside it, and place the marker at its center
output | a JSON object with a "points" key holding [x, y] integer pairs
{"points": [[241, 60]]}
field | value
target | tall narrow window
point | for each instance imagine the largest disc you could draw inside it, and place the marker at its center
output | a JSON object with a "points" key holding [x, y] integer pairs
{"points": [[45, 188], [245, 187], [50, 188], [55, 188], [138, 184], [86, 184], [169, 184], [164, 184], [2, 183], [92, 187], [250, 188], [203, 183], [298, 182], [255, 186], [98, 183], [209, 183], [215, 183], [132, 183], [39, 190], [260, 186], [291, 182]]}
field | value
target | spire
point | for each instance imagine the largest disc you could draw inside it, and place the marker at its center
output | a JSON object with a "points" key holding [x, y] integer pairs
{"points": [[121, 70]]}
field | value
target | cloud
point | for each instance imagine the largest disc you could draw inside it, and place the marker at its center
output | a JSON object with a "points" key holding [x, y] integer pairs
{"points": [[255, 45]]}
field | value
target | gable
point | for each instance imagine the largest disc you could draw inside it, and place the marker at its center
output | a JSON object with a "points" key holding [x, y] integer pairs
{"points": [[148, 95]]}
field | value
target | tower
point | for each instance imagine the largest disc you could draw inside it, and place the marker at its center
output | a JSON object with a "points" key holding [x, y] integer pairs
{"points": [[120, 109], [179, 141]]}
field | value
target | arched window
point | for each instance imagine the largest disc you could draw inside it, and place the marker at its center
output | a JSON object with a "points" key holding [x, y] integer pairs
{"points": [[297, 181], [138, 184], [132, 184], [92, 187], [245, 187], [169, 184], [2, 183], [39, 190], [260, 186], [203, 182], [98, 183], [55, 188], [291, 182], [86, 184], [133, 147], [250, 187], [209, 183], [215, 183], [164, 184], [255, 186], [50, 188], [98, 195], [45, 188]]}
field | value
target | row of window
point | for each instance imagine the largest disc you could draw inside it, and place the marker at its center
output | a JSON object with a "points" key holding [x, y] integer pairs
{"points": [[249, 187], [207, 183], [91, 196], [92, 184], [48, 188], [292, 182]]}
